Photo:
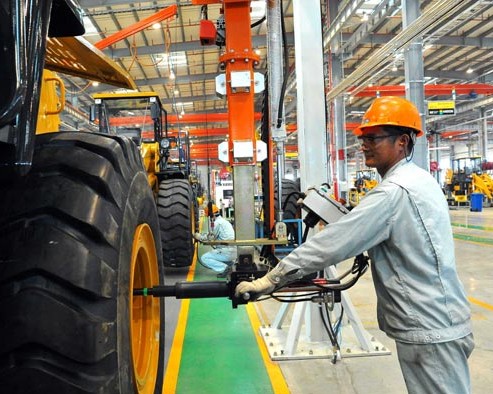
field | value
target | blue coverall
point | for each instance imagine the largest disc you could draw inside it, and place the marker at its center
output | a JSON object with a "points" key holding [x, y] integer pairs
{"points": [[221, 256]]}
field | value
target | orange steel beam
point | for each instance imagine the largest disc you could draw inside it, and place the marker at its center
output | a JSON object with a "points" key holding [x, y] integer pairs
{"points": [[173, 119], [430, 90], [198, 154], [204, 118], [200, 118], [159, 16], [216, 132], [207, 162], [211, 149], [455, 133], [204, 147], [199, 2]]}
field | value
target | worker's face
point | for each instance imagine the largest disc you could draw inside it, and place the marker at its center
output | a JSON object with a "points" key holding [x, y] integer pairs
{"points": [[382, 150]]}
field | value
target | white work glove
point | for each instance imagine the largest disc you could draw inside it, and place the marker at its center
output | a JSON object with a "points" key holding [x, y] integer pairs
{"points": [[198, 236], [264, 285]]}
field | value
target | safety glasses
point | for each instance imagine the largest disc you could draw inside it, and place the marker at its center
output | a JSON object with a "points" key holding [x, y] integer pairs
{"points": [[371, 140]]}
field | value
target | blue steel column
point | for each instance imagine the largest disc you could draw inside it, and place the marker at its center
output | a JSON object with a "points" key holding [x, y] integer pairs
{"points": [[414, 73]]}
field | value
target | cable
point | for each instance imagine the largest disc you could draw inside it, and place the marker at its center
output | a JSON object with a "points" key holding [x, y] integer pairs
{"points": [[286, 68], [260, 21]]}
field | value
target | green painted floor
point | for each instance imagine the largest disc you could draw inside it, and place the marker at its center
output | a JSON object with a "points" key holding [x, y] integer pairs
{"points": [[220, 353]]}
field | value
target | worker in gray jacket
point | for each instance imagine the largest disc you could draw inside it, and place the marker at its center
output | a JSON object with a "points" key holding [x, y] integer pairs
{"points": [[221, 257], [404, 224]]}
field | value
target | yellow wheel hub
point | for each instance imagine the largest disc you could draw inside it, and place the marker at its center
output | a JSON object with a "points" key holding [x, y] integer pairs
{"points": [[144, 311]]}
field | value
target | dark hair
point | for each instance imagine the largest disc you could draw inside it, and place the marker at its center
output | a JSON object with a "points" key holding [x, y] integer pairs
{"points": [[400, 130]]}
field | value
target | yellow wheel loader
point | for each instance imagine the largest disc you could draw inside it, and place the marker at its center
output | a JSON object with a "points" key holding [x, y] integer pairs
{"points": [[79, 228], [167, 161], [364, 181], [466, 177]]}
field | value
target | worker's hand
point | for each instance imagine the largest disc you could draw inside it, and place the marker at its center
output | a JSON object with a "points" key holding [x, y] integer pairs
{"points": [[197, 236], [264, 285]]}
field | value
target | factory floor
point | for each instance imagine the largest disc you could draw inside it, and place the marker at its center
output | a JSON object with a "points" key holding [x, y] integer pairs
{"points": [[212, 348]]}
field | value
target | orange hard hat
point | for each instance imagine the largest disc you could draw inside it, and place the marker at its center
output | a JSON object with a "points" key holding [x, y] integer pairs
{"points": [[391, 111], [215, 210]]}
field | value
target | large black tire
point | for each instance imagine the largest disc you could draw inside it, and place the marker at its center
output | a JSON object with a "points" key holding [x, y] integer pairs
{"points": [[292, 210], [70, 255], [177, 209]]}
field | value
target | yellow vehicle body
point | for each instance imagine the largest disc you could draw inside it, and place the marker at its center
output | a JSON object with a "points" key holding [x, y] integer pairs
{"points": [[51, 103], [150, 155], [483, 183], [73, 56]]}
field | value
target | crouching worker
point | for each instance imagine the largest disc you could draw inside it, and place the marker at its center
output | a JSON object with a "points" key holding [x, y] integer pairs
{"points": [[404, 225], [221, 257]]}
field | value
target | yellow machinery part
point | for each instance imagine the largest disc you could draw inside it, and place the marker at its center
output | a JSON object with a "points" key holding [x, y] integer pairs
{"points": [[483, 184], [150, 155], [51, 103], [449, 174], [78, 57], [460, 198], [74, 56]]}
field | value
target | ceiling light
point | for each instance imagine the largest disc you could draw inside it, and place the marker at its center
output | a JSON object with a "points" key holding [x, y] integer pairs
{"points": [[95, 83], [172, 75], [175, 59], [176, 92], [394, 67], [469, 70], [156, 26], [364, 17]]}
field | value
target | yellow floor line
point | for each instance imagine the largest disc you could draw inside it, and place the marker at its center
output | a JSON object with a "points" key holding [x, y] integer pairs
{"points": [[276, 377], [275, 374], [481, 303], [173, 367]]}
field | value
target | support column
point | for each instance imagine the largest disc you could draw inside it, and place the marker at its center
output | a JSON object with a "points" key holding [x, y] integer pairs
{"points": [[483, 134], [276, 76], [312, 140], [336, 122], [414, 73], [339, 131]]}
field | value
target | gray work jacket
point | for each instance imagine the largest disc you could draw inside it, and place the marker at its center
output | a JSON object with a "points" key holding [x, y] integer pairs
{"points": [[224, 231], [404, 224]]}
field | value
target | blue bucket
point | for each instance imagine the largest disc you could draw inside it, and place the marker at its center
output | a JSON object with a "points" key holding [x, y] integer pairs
{"points": [[476, 202]]}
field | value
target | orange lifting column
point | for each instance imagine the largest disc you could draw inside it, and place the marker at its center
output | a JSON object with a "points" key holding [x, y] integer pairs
{"points": [[239, 57], [159, 16]]}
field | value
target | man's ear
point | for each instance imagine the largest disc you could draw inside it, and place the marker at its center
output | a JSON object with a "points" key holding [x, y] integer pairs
{"points": [[404, 140]]}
